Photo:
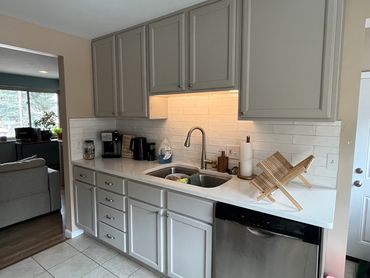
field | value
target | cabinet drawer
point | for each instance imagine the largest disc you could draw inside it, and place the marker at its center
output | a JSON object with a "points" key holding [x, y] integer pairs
{"points": [[193, 207], [111, 183], [112, 236], [112, 217], [111, 199], [84, 175], [146, 193]]}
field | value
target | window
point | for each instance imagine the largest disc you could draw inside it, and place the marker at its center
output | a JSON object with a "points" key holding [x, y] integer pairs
{"points": [[22, 108]]}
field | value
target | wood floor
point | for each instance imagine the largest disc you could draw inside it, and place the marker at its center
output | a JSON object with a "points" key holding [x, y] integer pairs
{"points": [[27, 238]]}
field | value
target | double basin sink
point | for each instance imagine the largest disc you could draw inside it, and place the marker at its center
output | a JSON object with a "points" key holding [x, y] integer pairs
{"points": [[197, 177]]}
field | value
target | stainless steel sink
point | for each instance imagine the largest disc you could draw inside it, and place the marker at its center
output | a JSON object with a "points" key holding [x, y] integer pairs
{"points": [[162, 173], [197, 177]]}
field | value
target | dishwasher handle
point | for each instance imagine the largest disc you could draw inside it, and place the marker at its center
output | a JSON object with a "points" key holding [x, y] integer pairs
{"points": [[266, 234]]}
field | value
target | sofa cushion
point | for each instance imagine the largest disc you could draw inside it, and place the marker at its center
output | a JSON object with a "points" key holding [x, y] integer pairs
{"points": [[18, 184], [22, 165]]}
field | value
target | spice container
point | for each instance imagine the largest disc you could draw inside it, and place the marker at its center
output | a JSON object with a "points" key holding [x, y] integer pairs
{"points": [[89, 150]]}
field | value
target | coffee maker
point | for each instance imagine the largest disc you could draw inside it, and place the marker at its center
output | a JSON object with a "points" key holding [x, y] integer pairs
{"points": [[112, 144]]}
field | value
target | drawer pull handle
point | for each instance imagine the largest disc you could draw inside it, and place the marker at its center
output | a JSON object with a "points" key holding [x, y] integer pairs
{"points": [[109, 217], [110, 236], [83, 176], [109, 200], [108, 183]]}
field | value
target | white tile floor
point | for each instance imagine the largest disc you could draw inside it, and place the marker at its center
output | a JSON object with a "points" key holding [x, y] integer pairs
{"points": [[78, 257]]}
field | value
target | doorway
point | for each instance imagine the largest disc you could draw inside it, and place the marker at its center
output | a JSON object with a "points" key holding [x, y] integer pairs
{"points": [[30, 97]]}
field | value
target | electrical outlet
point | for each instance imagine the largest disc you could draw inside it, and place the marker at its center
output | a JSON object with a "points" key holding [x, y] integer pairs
{"points": [[233, 151], [332, 162]]}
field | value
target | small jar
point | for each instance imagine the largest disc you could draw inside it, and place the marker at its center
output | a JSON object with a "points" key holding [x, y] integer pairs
{"points": [[89, 149]]}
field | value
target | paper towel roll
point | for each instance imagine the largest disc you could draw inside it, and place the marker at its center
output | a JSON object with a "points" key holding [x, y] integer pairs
{"points": [[246, 168], [246, 159]]}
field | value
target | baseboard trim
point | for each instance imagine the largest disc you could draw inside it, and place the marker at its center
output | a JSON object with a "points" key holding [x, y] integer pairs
{"points": [[70, 234]]}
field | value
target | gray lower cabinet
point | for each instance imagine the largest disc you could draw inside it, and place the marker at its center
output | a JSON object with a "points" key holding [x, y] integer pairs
{"points": [[290, 58], [132, 73], [213, 34], [146, 233], [189, 247], [85, 200], [167, 54], [104, 76]]}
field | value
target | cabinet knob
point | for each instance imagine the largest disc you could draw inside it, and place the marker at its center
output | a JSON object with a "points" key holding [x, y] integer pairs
{"points": [[110, 236], [190, 85], [109, 217], [109, 200], [357, 183], [179, 86], [167, 214], [359, 171], [83, 176], [242, 113], [108, 183]]}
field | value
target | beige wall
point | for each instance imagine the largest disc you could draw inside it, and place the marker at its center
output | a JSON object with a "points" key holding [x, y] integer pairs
{"points": [[76, 96], [352, 61], [366, 61]]}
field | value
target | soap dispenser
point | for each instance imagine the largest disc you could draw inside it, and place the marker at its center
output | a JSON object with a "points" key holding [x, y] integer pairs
{"points": [[222, 162]]}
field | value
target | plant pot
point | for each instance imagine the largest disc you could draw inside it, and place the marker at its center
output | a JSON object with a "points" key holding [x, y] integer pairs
{"points": [[60, 136], [46, 135]]}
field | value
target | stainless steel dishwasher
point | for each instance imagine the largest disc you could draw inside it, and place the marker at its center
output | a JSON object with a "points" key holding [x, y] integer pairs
{"points": [[250, 244]]}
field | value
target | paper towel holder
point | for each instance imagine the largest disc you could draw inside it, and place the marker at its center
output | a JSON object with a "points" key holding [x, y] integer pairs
{"points": [[245, 177]]}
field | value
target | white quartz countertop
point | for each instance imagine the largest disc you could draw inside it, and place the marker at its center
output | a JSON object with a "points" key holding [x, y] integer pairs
{"points": [[318, 202]]}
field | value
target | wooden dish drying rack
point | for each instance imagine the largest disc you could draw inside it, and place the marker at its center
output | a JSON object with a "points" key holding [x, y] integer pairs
{"points": [[276, 173]]}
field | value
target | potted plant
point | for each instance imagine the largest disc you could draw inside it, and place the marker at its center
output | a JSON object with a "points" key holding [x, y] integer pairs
{"points": [[58, 132], [46, 122]]}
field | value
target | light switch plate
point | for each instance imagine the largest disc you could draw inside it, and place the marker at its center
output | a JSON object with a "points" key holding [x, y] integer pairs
{"points": [[233, 151], [332, 161]]}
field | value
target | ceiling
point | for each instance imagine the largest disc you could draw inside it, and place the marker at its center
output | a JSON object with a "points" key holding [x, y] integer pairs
{"points": [[90, 18], [26, 63]]}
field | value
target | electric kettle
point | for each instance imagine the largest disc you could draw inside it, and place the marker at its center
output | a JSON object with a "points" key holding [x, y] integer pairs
{"points": [[138, 147]]}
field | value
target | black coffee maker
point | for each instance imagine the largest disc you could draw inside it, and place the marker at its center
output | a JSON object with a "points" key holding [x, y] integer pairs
{"points": [[112, 144], [139, 147]]}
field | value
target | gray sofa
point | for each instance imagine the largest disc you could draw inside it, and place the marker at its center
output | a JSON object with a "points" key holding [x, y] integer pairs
{"points": [[28, 189]]}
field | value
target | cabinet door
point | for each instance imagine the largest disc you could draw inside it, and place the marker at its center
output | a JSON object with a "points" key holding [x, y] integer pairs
{"points": [[290, 59], [131, 52], [85, 198], [189, 247], [104, 75], [145, 231], [167, 54], [213, 46]]}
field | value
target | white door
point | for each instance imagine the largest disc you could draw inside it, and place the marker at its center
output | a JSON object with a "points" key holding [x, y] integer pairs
{"points": [[145, 230], [189, 247], [359, 223]]}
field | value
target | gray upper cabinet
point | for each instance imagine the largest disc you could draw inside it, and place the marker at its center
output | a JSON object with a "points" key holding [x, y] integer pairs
{"points": [[213, 30], [85, 198], [132, 71], [290, 52], [104, 76], [167, 54]]}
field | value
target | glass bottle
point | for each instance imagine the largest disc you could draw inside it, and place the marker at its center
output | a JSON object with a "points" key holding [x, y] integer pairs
{"points": [[89, 149]]}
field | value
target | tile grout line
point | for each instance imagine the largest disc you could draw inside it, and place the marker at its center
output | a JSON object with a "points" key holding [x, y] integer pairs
{"points": [[41, 267]]}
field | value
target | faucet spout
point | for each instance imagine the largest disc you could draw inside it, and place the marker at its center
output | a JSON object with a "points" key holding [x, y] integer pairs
{"points": [[203, 162]]}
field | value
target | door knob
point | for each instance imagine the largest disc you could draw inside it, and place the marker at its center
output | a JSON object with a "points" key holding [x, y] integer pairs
{"points": [[359, 171], [357, 183]]}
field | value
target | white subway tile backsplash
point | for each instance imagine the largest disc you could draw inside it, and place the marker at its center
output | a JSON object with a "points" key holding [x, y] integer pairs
{"points": [[324, 141], [328, 131], [217, 114], [294, 129], [88, 128]]}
